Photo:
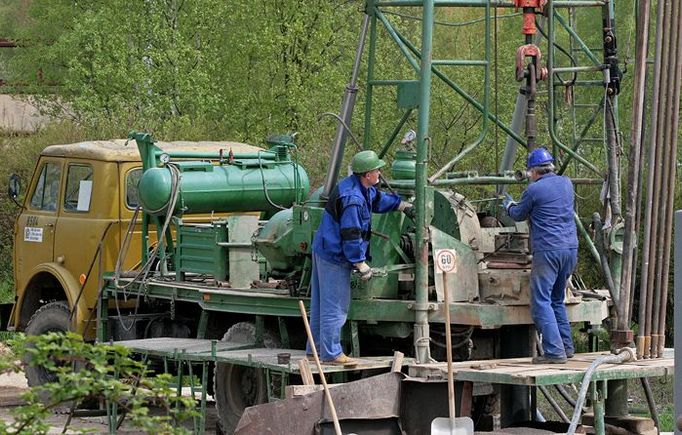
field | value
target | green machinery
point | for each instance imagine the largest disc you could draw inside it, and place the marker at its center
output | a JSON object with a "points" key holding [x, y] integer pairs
{"points": [[239, 277]]}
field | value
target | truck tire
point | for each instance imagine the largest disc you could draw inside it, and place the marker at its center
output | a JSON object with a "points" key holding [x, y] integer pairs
{"points": [[51, 317], [237, 387]]}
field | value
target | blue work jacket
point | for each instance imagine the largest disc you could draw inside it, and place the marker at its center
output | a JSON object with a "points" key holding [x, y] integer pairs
{"points": [[344, 233], [549, 204]]}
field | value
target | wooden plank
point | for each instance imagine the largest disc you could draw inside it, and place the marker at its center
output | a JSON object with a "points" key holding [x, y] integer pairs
{"points": [[306, 374], [397, 364]]}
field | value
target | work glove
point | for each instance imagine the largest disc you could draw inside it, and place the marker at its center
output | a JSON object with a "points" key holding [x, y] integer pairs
{"points": [[408, 209], [365, 270], [508, 201]]}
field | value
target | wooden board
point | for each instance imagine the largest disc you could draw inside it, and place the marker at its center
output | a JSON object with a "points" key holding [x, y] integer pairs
{"points": [[520, 371], [189, 349]]}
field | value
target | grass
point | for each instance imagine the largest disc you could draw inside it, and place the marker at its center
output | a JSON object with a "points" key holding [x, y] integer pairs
{"points": [[662, 389]]}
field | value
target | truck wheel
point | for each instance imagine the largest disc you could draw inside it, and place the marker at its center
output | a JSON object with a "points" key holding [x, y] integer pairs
{"points": [[51, 317], [238, 387]]}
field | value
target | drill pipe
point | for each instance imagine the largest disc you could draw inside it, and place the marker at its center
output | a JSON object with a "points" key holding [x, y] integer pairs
{"points": [[653, 301], [654, 156], [671, 162], [630, 237]]}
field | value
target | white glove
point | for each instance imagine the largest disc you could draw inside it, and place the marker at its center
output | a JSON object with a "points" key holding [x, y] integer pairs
{"points": [[365, 270], [403, 205]]}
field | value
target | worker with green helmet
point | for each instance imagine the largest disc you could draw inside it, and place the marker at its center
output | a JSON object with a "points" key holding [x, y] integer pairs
{"points": [[340, 246]]}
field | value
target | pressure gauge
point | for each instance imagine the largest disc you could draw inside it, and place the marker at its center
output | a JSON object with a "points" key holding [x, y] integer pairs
{"points": [[164, 158]]}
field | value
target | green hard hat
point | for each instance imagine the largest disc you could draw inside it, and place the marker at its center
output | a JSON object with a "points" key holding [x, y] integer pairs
{"points": [[366, 161]]}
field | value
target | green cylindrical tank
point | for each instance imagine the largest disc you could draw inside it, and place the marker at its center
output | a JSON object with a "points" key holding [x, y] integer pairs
{"points": [[249, 185], [404, 166]]}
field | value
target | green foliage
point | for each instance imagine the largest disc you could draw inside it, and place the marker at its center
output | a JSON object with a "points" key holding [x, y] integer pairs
{"points": [[92, 372]]}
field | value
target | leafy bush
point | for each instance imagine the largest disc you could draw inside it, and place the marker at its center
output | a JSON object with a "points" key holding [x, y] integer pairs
{"points": [[87, 372]]}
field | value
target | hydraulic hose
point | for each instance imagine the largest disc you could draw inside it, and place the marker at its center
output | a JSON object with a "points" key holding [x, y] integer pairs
{"points": [[622, 355]]}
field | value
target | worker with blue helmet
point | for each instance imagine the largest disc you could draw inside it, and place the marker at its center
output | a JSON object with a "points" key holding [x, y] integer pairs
{"points": [[341, 245], [548, 204]]}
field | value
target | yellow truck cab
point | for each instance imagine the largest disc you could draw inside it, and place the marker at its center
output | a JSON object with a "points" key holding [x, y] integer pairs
{"points": [[76, 211]]}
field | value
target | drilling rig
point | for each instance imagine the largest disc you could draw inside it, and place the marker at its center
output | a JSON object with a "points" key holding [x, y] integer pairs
{"points": [[238, 279]]}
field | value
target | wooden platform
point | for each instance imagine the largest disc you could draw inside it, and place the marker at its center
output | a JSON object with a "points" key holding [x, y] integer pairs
{"points": [[196, 350], [520, 371]]}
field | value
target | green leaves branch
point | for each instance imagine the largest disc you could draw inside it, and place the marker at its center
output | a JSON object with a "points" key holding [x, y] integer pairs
{"points": [[85, 372]]}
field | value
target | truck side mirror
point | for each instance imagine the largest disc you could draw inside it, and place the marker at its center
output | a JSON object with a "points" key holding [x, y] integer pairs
{"points": [[14, 186]]}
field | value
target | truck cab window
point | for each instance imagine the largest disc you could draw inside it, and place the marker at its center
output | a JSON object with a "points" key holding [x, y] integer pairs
{"points": [[132, 180], [46, 191], [78, 188]]}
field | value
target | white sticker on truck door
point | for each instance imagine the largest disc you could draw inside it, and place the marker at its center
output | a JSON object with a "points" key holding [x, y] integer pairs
{"points": [[33, 234]]}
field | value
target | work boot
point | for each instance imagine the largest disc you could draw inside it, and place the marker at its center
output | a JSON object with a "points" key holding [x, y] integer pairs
{"points": [[542, 359], [342, 360], [570, 355]]}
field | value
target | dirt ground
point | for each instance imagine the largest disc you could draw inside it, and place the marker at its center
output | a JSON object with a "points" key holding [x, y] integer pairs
{"points": [[13, 385]]}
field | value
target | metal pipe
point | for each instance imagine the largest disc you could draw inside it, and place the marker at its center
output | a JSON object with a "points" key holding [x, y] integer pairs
{"points": [[672, 163], [370, 77], [553, 403], [604, 262], [664, 135], [263, 155], [346, 114], [567, 397], [651, 215], [630, 237], [646, 386], [494, 3], [461, 62], [612, 150], [421, 326], [482, 180], [578, 69]]}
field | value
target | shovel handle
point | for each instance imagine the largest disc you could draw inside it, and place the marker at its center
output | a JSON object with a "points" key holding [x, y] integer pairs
{"points": [[327, 394]]}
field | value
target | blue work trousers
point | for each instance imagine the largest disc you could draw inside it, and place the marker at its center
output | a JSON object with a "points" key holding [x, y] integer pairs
{"points": [[548, 277], [329, 302]]}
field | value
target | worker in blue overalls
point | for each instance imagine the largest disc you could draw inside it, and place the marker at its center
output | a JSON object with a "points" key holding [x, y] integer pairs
{"points": [[340, 246], [548, 202]]}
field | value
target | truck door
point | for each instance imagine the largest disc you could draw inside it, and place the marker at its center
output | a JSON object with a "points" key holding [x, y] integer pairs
{"points": [[87, 216], [34, 238]]}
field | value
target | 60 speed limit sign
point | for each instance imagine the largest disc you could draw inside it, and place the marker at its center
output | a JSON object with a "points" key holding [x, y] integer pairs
{"points": [[445, 261]]}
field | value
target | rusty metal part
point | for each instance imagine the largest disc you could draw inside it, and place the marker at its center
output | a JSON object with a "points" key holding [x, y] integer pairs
{"points": [[524, 51], [376, 397]]}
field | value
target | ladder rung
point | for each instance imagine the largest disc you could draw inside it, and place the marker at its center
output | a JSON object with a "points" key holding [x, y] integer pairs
{"points": [[460, 62]]}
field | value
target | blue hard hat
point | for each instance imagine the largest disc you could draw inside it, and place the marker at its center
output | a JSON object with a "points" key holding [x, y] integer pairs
{"points": [[539, 157]]}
